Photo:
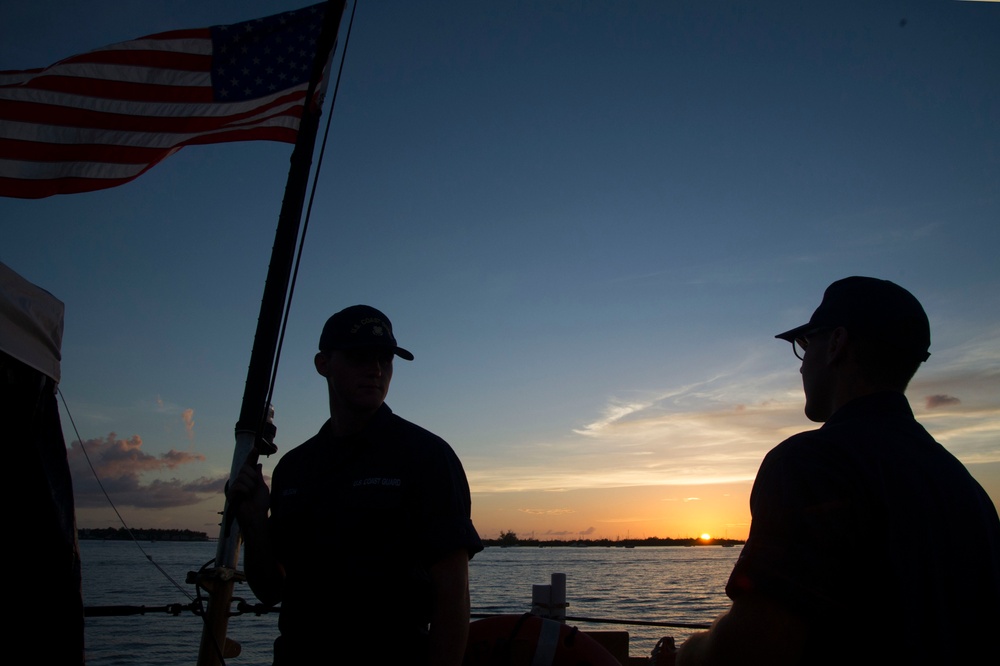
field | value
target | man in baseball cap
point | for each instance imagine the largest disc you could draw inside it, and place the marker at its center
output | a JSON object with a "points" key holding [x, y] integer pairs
{"points": [[888, 335], [370, 533], [869, 542]]}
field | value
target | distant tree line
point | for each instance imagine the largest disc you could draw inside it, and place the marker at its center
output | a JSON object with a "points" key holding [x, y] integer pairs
{"points": [[509, 538], [122, 534]]}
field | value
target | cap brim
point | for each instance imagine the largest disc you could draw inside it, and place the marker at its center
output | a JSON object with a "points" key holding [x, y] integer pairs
{"points": [[794, 333], [403, 354]]}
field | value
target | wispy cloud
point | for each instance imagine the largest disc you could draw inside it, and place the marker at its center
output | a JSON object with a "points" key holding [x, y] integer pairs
{"points": [[687, 436], [718, 431], [173, 410], [547, 512], [188, 417]]}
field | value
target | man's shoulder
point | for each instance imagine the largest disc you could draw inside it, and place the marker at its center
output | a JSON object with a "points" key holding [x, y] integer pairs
{"points": [[801, 442], [411, 432], [822, 452], [421, 448]]}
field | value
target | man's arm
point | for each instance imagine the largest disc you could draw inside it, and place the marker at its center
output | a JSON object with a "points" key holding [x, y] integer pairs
{"points": [[250, 500], [755, 630], [450, 613]]}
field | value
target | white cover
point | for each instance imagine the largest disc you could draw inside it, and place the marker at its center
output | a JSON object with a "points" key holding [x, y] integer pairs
{"points": [[31, 323]]}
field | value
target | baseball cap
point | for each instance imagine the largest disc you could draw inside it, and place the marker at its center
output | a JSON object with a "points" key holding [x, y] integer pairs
{"points": [[360, 327], [873, 309]]}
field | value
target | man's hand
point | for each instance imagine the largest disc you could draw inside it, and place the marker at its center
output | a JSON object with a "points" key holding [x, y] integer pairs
{"points": [[249, 501], [248, 495]]}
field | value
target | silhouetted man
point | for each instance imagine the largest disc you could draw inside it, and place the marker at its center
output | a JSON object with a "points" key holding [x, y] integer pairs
{"points": [[369, 537], [869, 543]]}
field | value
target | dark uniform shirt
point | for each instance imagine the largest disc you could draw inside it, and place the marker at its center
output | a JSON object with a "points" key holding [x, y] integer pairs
{"points": [[357, 521], [878, 537]]}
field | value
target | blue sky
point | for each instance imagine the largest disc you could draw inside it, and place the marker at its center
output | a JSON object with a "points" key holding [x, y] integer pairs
{"points": [[586, 219]]}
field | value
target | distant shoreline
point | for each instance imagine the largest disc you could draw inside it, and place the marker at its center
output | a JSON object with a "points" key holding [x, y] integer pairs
{"points": [[506, 541], [122, 534], [609, 543]]}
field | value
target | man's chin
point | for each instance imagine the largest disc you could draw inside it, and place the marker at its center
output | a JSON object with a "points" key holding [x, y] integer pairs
{"points": [[368, 403], [815, 415]]}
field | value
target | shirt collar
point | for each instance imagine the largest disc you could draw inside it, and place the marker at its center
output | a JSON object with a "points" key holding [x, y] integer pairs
{"points": [[873, 405]]}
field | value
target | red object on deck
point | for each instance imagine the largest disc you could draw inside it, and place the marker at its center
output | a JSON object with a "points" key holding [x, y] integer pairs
{"points": [[510, 640]]}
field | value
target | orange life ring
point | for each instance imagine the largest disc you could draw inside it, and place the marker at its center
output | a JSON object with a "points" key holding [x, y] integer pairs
{"points": [[527, 639]]}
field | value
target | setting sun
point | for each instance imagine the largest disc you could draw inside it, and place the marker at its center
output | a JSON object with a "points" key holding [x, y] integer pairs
{"points": [[706, 537]]}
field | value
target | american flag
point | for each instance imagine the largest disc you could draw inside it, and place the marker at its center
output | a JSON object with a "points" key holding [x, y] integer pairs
{"points": [[103, 118]]}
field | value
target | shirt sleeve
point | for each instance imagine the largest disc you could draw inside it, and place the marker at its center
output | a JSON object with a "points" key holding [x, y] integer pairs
{"points": [[447, 506]]}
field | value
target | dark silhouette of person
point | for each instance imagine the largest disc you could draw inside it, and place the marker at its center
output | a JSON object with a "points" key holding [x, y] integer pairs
{"points": [[869, 543]]}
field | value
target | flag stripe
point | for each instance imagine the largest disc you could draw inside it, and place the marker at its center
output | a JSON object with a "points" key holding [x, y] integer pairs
{"points": [[102, 118], [177, 60], [155, 141], [82, 169], [32, 151], [54, 139], [136, 71], [141, 108], [41, 121], [197, 89], [37, 189]]}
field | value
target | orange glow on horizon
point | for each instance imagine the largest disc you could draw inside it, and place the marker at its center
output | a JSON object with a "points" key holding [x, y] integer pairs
{"points": [[639, 512]]}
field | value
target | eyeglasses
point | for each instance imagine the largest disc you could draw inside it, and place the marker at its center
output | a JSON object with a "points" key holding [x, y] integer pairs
{"points": [[801, 343]]}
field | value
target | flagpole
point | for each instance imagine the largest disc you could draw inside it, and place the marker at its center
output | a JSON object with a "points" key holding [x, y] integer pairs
{"points": [[254, 430]]}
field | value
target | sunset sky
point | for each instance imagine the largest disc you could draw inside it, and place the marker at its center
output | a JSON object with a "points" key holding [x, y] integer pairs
{"points": [[587, 220]]}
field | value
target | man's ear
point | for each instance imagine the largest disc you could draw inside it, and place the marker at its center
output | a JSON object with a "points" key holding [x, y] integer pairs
{"points": [[836, 347], [322, 363]]}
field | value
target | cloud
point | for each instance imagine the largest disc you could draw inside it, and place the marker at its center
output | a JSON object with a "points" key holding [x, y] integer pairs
{"points": [[188, 417], [612, 414], [121, 464], [660, 444], [933, 401], [719, 430]]}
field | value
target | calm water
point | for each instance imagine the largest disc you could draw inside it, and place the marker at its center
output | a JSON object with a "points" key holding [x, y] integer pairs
{"points": [[674, 584]]}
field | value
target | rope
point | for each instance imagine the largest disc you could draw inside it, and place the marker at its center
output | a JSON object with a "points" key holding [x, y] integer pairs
{"points": [[100, 485], [243, 608]]}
